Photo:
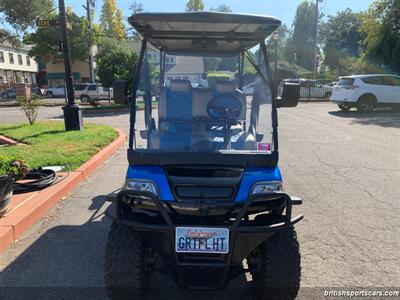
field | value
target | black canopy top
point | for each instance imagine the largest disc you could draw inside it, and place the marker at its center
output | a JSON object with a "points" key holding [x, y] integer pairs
{"points": [[203, 32]]}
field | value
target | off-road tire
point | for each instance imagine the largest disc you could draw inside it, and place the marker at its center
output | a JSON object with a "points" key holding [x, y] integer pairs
{"points": [[85, 98], [366, 103], [125, 273], [343, 107], [279, 270]]}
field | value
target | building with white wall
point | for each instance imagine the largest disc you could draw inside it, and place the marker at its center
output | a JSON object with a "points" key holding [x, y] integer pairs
{"points": [[16, 66]]}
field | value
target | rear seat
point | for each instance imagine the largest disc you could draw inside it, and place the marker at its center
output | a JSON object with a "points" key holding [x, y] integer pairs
{"points": [[174, 111], [182, 111]]}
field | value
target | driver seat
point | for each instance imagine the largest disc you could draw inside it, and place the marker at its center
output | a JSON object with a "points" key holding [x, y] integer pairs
{"points": [[229, 88]]}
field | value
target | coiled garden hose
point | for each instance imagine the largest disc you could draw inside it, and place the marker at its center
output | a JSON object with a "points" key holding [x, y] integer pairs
{"points": [[37, 179]]}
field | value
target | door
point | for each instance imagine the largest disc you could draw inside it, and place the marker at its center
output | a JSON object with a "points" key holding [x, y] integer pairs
{"points": [[379, 86], [396, 89]]}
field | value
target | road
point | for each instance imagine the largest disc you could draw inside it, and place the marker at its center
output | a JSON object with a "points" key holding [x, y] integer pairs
{"points": [[346, 167]]}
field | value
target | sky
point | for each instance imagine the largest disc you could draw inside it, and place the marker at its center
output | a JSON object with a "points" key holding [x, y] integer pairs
{"points": [[282, 9]]}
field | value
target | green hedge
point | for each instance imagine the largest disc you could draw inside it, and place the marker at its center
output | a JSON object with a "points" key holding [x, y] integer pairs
{"points": [[212, 78]]}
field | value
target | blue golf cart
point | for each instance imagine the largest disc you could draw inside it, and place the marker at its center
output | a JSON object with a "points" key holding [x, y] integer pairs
{"points": [[203, 199]]}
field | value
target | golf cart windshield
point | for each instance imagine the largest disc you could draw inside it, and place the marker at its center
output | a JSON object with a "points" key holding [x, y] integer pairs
{"points": [[198, 97]]}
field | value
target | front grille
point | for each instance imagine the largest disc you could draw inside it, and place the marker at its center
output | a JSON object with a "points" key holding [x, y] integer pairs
{"points": [[204, 192], [203, 184]]}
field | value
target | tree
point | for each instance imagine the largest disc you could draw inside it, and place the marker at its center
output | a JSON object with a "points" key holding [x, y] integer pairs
{"points": [[381, 25], [194, 5], [341, 35], [116, 63], [221, 8], [135, 7], [111, 20], [302, 40], [45, 40], [20, 15]]}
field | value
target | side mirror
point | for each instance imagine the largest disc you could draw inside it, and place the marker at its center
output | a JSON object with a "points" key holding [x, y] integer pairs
{"points": [[290, 95], [120, 90]]}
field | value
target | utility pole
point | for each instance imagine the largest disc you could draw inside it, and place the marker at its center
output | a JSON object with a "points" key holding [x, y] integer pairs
{"points": [[88, 7], [72, 112], [315, 64]]}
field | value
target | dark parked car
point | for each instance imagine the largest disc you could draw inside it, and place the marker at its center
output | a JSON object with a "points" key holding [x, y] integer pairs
{"points": [[10, 93]]}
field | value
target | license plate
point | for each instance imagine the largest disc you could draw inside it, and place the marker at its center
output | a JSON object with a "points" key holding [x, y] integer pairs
{"points": [[201, 240]]}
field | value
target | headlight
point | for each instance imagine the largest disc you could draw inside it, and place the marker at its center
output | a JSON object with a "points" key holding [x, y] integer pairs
{"points": [[267, 187], [140, 186]]}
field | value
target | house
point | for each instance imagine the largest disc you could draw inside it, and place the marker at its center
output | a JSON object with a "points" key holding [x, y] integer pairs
{"points": [[176, 66], [55, 72], [16, 66], [184, 67]]}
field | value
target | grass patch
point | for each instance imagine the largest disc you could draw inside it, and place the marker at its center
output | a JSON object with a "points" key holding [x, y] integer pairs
{"points": [[104, 107], [110, 106], [47, 143]]}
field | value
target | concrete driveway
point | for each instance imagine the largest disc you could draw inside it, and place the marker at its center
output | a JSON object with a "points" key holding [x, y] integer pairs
{"points": [[346, 167]]}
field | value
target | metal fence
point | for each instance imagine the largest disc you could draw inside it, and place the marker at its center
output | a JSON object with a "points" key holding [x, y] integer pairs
{"points": [[311, 89]]}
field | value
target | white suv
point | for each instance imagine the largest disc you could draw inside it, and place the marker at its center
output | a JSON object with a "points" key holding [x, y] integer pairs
{"points": [[367, 92]]}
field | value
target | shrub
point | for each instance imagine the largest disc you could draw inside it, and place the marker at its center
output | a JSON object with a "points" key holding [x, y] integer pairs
{"points": [[12, 165], [212, 78], [30, 106]]}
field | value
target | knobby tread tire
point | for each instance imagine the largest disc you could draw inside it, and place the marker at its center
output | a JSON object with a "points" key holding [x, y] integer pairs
{"points": [[124, 271], [280, 269]]}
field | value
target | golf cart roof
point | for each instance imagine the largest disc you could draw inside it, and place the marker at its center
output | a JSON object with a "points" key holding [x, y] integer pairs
{"points": [[206, 33]]}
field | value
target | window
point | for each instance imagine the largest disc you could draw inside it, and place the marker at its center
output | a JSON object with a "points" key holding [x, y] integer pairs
{"points": [[1, 79], [390, 80], [377, 80], [1, 56], [396, 81], [170, 59], [92, 87], [185, 77], [346, 81], [20, 59], [28, 61], [79, 87], [11, 57]]}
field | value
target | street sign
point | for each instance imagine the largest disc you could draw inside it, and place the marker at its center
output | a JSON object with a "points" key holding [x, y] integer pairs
{"points": [[47, 23]]}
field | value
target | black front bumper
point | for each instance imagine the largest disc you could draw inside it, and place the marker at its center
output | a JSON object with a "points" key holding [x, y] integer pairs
{"points": [[245, 236]]}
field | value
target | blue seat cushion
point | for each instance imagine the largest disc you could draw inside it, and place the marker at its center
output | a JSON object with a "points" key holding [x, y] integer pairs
{"points": [[178, 105]]}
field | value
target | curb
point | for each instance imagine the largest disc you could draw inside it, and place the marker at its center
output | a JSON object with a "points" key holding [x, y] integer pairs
{"points": [[22, 218], [7, 141]]}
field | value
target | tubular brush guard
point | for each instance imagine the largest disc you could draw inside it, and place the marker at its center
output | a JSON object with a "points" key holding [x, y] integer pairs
{"points": [[245, 236]]}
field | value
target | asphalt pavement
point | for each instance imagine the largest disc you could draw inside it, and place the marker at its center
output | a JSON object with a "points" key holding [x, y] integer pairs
{"points": [[345, 165]]}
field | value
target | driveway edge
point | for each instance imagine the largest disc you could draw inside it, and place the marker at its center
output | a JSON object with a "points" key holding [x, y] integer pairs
{"points": [[14, 224]]}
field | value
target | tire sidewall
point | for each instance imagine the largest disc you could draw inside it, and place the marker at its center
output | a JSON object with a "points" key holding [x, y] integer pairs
{"points": [[366, 103], [85, 98]]}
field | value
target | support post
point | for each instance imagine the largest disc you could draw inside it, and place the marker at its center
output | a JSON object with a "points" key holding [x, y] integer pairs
{"points": [[72, 112], [88, 7]]}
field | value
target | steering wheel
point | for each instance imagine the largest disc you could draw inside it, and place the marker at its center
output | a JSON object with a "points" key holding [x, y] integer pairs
{"points": [[224, 107]]}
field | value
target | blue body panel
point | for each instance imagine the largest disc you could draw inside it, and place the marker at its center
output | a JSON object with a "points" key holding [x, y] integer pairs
{"points": [[253, 175], [154, 174], [158, 176]]}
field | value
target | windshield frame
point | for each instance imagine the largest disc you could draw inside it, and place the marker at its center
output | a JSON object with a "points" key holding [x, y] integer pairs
{"points": [[139, 156]]}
